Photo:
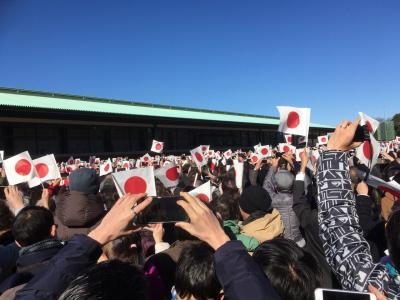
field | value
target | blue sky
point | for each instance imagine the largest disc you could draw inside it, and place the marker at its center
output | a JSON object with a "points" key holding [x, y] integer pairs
{"points": [[337, 57]]}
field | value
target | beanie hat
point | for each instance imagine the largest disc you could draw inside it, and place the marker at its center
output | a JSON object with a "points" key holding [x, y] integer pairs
{"points": [[255, 198], [284, 181], [84, 180]]}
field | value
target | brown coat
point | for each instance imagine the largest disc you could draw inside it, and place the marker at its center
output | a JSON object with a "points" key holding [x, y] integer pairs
{"points": [[265, 228], [387, 203]]}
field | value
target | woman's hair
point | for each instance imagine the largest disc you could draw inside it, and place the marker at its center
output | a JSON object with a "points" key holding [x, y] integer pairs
{"points": [[6, 217], [127, 249]]}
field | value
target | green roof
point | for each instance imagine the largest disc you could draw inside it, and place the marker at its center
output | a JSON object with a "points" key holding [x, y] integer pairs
{"points": [[44, 100]]}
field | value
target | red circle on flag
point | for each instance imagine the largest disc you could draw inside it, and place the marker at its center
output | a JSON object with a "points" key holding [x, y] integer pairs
{"points": [[146, 158], [204, 148], [135, 185], [158, 146], [264, 151], [172, 174], [254, 158], [107, 167], [367, 151], [198, 156], [323, 139], [289, 139], [293, 120], [126, 166], [23, 167], [368, 123], [42, 170], [286, 149], [203, 197]]}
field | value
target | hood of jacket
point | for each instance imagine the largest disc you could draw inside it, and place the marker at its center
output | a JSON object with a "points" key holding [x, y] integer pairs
{"points": [[264, 228], [78, 209]]}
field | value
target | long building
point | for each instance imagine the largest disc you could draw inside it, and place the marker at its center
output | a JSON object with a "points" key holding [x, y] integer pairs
{"points": [[65, 125]]}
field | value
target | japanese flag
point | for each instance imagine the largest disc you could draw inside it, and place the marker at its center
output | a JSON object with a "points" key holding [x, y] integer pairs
{"points": [[254, 158], [202, 192], [265, 151], [368, 152], [392, 187], [294, 120], [135, 181], [157, 146], [323, 140], [214, 163], [301, 140], [106, 168], [314, 155], [371, 123], [168, 175], [228, 154], [19, 168], [146, 158], [126, 164], [256, 147], [210, 153], [284, 148], [288, 138], [46, 168], [198, 157], [397, 141], [205, 148], [70, 161], [298, 153], [238, 173]]}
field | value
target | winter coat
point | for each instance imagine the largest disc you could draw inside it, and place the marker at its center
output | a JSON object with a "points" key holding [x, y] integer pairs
{"points": [[283, 202], [345, 247], [77, 213], [8, 258], [263, 227]]}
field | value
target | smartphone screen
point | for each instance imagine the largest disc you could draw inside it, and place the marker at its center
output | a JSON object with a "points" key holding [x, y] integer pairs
{"points": [[339, 295], [162, 210]]}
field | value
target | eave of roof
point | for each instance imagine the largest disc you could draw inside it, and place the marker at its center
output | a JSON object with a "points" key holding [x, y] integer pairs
{"points": [[43, 100]]}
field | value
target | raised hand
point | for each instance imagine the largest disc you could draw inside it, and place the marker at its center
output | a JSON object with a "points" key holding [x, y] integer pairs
{"points": [[342, 138]]}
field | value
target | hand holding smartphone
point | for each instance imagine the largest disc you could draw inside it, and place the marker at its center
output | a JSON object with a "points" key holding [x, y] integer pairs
{"points": [[330, 294]]}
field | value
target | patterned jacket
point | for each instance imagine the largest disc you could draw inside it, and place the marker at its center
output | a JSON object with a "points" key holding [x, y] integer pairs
{"points": [[347, 251]]}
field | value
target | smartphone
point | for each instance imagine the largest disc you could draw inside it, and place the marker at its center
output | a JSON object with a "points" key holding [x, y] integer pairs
{"points": [[162, 210], [328, 294]]}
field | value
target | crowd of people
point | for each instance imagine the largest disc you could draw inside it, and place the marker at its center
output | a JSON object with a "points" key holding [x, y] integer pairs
{"points": [[291, 226]]}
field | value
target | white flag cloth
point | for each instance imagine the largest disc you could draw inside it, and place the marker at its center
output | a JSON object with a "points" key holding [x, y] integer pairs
{"points": [[146, 158], [283, 148], [294, 120], [288, 138], [19, 168], [106, 168], [205, 148], [254, 158], [371, 123], [301, 140], [1, 155], [70, 161], [239, 167], [228, 154], [265, 151], [135, 181], [210, 153], [126, 164], [202, 192], [391, 187], [397, 141], [46, 168], [198, 157], [368, 152], [323, 140], [314, 155], [168, 175], [157, 146]]}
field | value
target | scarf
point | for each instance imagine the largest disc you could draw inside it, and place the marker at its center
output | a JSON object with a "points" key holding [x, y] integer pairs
{"points": [[42, 245]]}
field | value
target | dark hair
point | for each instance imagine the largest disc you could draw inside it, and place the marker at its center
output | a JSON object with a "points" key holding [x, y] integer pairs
{"points": [[108, 193], [6, 217], [393, 237], [127, 249], [32, 224], [293, 272], [195, 273], [227, 205], [108, 280], [228, 184], [161, 190]]}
